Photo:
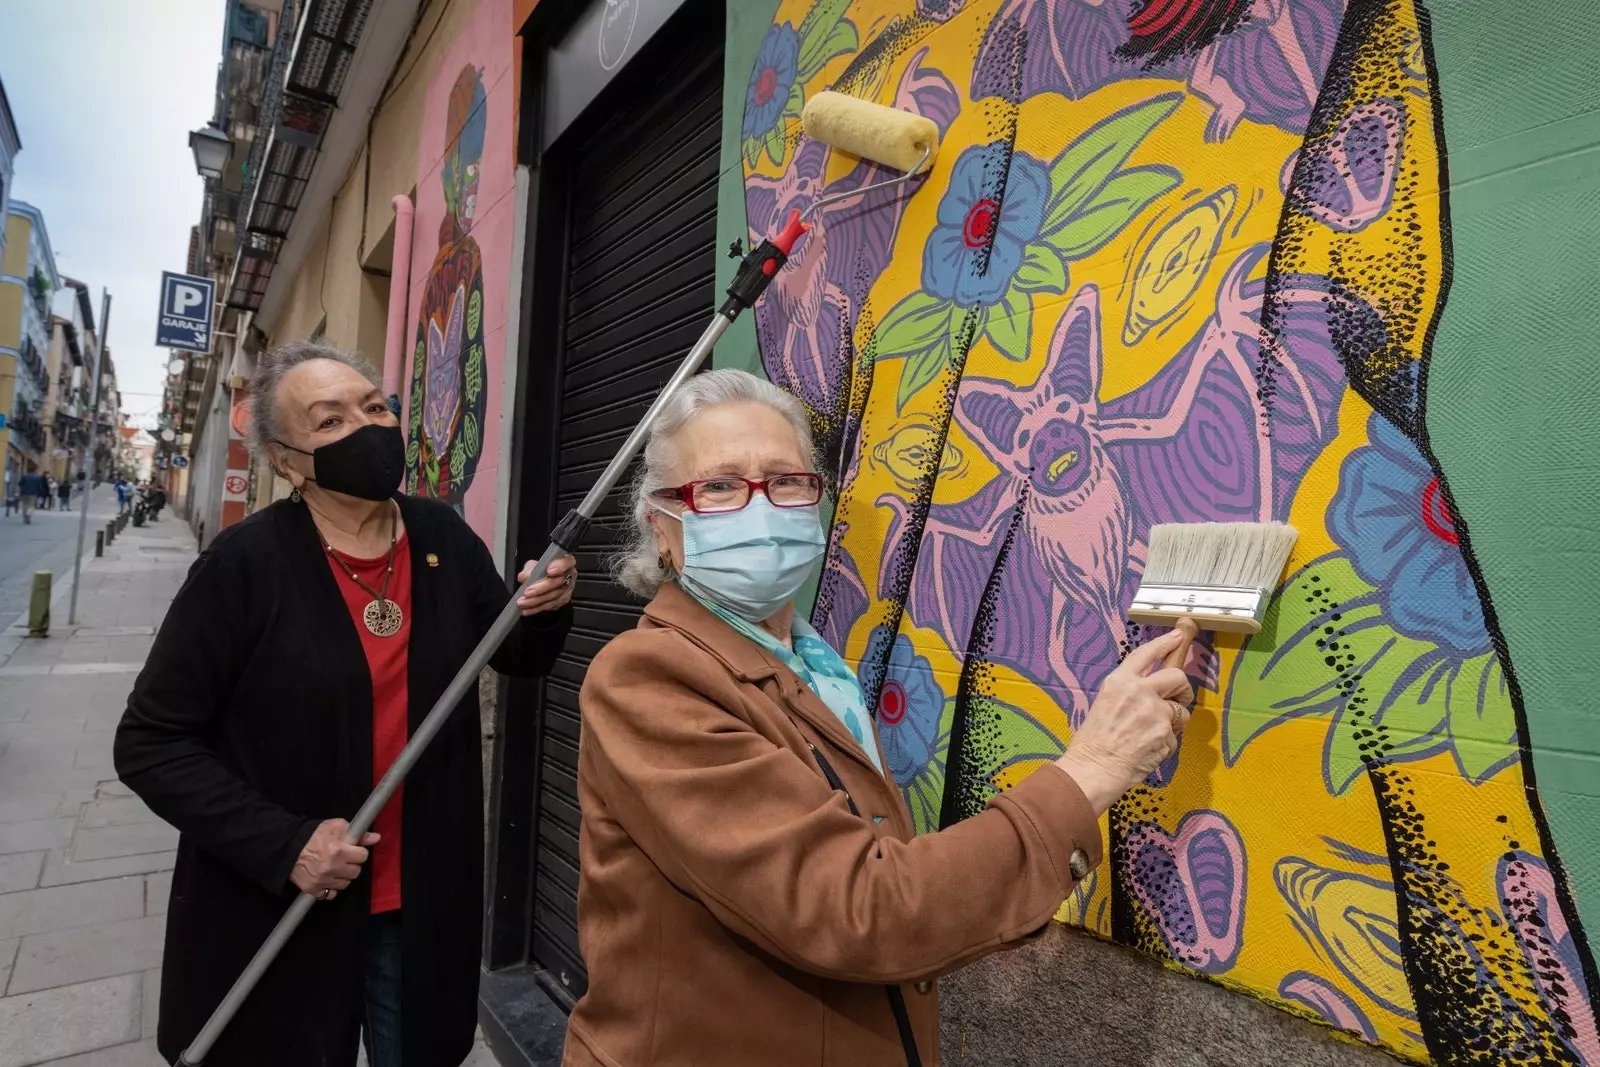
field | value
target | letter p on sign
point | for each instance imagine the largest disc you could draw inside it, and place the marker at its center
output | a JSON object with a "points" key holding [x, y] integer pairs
{"points": [[187, 300]]}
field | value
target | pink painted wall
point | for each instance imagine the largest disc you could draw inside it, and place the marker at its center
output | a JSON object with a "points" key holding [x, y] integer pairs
{"points": [[461, 260]]}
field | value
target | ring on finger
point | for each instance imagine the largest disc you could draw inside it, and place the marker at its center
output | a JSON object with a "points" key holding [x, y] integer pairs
{"points": [[329, 894]]}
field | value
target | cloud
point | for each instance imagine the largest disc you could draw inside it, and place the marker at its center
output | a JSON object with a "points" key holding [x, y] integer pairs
{"points": [[105, 93]]}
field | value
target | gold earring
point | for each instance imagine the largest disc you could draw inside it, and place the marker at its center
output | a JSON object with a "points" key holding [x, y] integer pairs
{"points": [[294, 494]]}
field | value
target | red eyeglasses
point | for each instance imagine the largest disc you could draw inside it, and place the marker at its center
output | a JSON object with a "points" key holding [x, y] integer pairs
{"points": [[710, 496]]}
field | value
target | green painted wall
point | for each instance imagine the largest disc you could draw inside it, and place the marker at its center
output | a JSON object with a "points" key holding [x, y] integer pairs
{"points": [[748, 22], [1514, 391]]}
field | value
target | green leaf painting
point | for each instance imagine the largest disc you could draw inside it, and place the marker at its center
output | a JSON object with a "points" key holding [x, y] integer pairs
{"points": [[1079, 174], [1117, 203], [1042, 271], [918, 329], [1010, 323], [824, 35], [1327, 650]]}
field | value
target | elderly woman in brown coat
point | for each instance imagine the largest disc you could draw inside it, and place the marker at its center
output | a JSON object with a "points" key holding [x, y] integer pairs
{"points": [[751, 889]]}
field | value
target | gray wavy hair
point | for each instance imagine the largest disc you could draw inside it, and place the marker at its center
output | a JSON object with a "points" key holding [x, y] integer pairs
{"points": [[637, 567], [265, 427]]}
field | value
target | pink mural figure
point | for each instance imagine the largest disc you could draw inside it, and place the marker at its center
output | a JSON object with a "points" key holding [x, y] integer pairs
{"points": [[448, 393]]}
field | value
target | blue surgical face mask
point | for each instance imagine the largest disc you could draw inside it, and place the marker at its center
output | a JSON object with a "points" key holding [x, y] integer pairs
{"points": [[750, 562]]}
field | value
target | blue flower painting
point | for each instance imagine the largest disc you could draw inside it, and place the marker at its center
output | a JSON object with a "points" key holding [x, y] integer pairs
{"points": [[976, 249], [1391, 517]]}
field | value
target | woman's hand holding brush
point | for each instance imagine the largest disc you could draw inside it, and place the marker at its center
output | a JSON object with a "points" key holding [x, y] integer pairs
{"points": [[1133, 725]]}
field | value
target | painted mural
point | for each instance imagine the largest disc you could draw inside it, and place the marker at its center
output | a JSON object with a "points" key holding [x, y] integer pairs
{"points": [[1178, 261], [461, 253]]}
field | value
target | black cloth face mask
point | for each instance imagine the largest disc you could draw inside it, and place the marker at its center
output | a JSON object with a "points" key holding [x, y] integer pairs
{"points": [[367, 463]]}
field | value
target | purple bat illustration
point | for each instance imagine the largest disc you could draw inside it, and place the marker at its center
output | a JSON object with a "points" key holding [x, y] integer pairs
{"points": [[1192, 883], [1197, 443], [1270, 68], [444, 375], [1267, 66]]}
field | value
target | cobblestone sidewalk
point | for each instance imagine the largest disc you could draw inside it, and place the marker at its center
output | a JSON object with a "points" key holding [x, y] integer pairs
{"points": [[85, 867]]}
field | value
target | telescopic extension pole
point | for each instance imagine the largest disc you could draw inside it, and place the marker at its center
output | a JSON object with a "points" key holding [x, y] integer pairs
{"points": [[754, 274]]}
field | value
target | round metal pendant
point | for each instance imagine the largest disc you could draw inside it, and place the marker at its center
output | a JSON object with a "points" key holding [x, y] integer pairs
{"points": [[383, 618]]}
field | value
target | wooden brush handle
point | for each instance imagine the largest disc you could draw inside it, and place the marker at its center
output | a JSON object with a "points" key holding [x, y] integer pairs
{"points": [[1178, 656]]}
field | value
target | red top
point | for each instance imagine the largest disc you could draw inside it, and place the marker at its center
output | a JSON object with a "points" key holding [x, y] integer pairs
{"points": [[386, 659]]}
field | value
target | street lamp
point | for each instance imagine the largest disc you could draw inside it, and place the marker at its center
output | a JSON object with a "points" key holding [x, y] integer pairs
{"points": [[211, 147]]}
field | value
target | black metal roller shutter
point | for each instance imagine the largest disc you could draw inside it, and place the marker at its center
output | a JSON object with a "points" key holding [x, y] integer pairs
{"points": [[640, 289]]}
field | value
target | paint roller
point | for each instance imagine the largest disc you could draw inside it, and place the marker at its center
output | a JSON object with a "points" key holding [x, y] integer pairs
{"points": [[884, 135]]}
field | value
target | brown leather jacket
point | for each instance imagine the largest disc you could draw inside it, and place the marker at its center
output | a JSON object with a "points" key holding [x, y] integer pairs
{"points": [[732, 910]]}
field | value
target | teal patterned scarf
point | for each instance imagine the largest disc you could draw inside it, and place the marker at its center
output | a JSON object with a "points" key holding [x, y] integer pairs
{"points": [[816, 664]]}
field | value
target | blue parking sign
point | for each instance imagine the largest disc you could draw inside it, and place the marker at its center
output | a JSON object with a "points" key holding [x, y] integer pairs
{"points": [[186, 310]]}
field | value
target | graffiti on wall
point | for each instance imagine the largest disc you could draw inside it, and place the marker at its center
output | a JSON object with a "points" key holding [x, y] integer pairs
{"points": [[1177, 262], [461, 257]]}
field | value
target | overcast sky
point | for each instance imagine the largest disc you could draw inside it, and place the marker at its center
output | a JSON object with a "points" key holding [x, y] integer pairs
{"points": [[105, 93]]}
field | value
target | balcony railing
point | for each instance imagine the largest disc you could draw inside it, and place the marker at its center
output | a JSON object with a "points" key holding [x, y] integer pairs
{"points": [[310, 61]]}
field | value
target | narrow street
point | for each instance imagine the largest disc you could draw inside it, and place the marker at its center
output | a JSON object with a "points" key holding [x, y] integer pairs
{"points": [[45, 544], [85, 867]]}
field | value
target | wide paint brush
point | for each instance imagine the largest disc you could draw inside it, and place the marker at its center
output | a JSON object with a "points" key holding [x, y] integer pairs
{"points": [[1211, 576]]}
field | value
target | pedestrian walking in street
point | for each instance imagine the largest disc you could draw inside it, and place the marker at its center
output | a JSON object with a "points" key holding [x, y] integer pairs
{"points": [[32, 489], [122, 495], [283, 683], [64, 491], [47, 498], [12, 492], [752, 889]]}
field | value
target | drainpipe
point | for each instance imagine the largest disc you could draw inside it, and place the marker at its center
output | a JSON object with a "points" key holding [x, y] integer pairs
{"points": [[394, 342]]}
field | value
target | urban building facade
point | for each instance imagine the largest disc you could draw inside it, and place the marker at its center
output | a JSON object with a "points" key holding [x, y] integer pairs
{"points": [[69, 425], [1187, 272], [10, 145], [28, 280]]}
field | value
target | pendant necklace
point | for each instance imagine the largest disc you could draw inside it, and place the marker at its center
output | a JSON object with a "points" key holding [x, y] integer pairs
{"points": [[382, 616]]}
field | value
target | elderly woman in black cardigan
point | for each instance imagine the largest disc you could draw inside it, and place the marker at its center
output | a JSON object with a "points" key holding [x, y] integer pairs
{"points": [[306, 643]]}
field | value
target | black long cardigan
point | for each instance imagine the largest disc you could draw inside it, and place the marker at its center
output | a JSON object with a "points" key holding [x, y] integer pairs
{"points": [[252, 722]]}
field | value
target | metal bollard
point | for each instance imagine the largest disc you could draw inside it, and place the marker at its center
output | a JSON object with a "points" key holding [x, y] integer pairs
{"points": [[99, 543], [39, 605], [111, 532]]}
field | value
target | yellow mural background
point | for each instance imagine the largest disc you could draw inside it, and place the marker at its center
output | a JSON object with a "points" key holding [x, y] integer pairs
{"points": [[1274, 794]]}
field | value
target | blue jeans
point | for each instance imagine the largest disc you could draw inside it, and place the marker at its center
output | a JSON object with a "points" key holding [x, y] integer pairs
{"points": [[381, 1029]]}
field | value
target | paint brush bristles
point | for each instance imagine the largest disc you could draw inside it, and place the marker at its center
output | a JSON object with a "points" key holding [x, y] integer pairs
{"points": [[1215, 575], [1238, 555]]}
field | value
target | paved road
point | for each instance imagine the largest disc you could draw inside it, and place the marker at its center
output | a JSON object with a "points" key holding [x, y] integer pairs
{"points": [[46, 544]]}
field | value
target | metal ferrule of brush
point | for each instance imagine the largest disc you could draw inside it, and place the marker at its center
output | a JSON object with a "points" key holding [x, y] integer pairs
{"points": [[1227, 608]]}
